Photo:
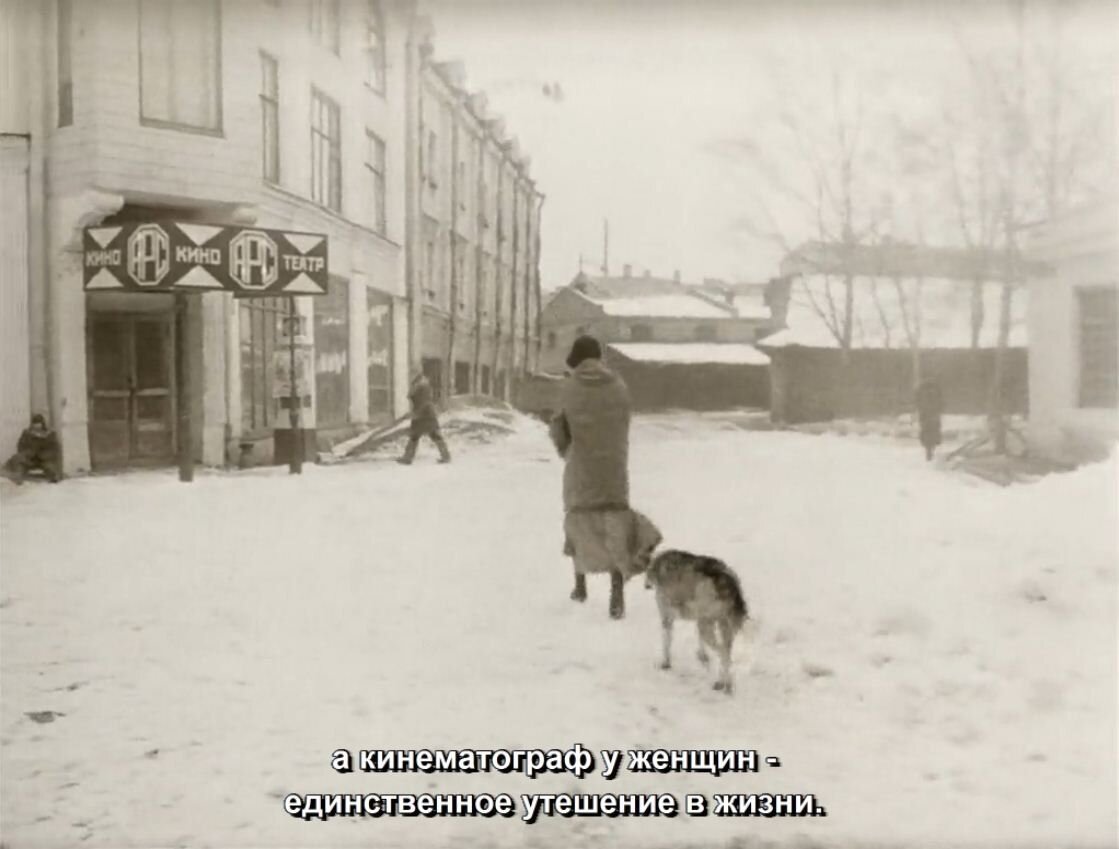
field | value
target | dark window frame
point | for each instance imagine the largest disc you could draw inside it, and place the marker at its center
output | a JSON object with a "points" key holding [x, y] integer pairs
{"points": [[376, 164], [218, 130], [65, 12], [318, 24], [326, 138], [1098, 390], [376, 61], [270, 106]]}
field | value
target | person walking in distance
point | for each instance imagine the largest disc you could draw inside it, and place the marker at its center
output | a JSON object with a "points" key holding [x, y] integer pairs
{"points": [[425, 422], [930, 406]]}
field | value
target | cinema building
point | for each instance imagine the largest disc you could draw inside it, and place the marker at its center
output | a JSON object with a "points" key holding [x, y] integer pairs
{"points": [[204, 121]]}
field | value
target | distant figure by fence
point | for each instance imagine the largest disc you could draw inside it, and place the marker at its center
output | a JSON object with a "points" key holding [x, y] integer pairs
{"points": [[930, 408]]}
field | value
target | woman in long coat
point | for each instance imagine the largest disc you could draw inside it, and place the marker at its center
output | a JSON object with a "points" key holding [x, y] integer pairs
{"points": [[591, 433]]}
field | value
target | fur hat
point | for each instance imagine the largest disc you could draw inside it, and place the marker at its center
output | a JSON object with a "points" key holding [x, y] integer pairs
{"points": [[584, 348]]}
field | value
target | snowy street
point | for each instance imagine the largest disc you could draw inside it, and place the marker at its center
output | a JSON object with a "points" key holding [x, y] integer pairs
{"points": [[935, 656]]}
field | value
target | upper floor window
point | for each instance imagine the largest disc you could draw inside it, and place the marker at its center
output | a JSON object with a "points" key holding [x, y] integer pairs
{"points": [[326, 151], [270, 118], [180, 64], [641, 333], [705, 332], [432, 159], [1099, 347], [65, 75], [325, 24], [375, 168], [375, 47]]}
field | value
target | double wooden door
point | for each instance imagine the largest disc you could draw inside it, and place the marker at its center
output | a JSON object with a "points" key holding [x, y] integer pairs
{"points": [[131, 389]]}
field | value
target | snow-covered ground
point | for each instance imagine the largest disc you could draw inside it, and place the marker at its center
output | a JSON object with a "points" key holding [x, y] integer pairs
{"points": [[935, 657]]}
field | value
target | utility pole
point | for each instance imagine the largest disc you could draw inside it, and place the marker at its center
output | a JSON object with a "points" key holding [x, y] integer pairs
{"points": [[295, 401]]}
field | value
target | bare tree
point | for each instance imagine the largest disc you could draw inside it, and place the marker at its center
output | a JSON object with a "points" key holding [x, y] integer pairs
{"points": [[1033, 139], [822, 177]]}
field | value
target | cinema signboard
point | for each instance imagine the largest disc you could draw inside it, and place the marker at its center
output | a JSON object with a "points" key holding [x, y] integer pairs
{"points": [[174, 256]]}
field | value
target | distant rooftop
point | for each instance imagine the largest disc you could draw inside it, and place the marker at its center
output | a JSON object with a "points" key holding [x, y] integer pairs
{"points": [[661, 297], [880, 314]]}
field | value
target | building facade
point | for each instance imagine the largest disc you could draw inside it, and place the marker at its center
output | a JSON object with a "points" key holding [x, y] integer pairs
{"points": [[279, 114], [1074, 328], [476, 255]]}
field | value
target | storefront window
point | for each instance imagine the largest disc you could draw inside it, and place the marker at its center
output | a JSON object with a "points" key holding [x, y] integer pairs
{"points": [[379, 354], [332, 355], [259, 320]]}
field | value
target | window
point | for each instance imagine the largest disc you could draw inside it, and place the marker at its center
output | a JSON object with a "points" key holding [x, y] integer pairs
{"points": [[462, 274], [375, 47], [641, 333], [65, 76], [375, 167], [551, 339], [431, 259], [180, 64], [1099, 348], [326, 152], [270, 118], [325, 24], [460, 176], [259, 320], [431, 159], [379, 354], [705, 333], [332, 355], [429, 264]]}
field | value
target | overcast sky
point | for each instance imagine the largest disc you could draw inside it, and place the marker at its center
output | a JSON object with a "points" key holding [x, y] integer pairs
{"points": [[649, 87]]}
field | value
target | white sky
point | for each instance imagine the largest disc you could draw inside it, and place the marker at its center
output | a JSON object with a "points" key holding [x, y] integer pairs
{"points": [[650, 86]]}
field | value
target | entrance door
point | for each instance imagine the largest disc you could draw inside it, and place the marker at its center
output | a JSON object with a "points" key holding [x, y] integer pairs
{"points": [[131, 389]]}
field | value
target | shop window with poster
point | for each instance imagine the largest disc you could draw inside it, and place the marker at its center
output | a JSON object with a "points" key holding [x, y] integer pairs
{"points": [[379, 354], [332, 355], [259, 323]]}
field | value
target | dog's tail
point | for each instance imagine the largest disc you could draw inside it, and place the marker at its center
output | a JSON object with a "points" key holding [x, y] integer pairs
{"points": [[740, 611], [727, 585]]}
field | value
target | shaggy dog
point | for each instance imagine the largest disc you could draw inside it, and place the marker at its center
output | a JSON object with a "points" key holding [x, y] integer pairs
{"points": [[704, 590]]}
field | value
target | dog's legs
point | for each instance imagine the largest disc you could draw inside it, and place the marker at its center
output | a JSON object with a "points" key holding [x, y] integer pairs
{"points": [[666, 637], [724, 647], [706, 630]]}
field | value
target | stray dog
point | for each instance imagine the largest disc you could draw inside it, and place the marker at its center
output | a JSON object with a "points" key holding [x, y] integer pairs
{"points": [[703, 589]]}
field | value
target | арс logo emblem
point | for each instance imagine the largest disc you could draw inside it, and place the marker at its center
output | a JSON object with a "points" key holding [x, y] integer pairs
{"points": [[253, 260], [149, 255]]}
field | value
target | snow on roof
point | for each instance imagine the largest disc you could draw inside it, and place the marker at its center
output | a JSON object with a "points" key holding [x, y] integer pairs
{"points": [[693, 353], [751, 306], [680, 305], [880, 313]]}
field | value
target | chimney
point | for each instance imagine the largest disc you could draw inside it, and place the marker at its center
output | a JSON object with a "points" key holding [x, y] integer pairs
{"points": [[627, 270], [676, 276]]}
